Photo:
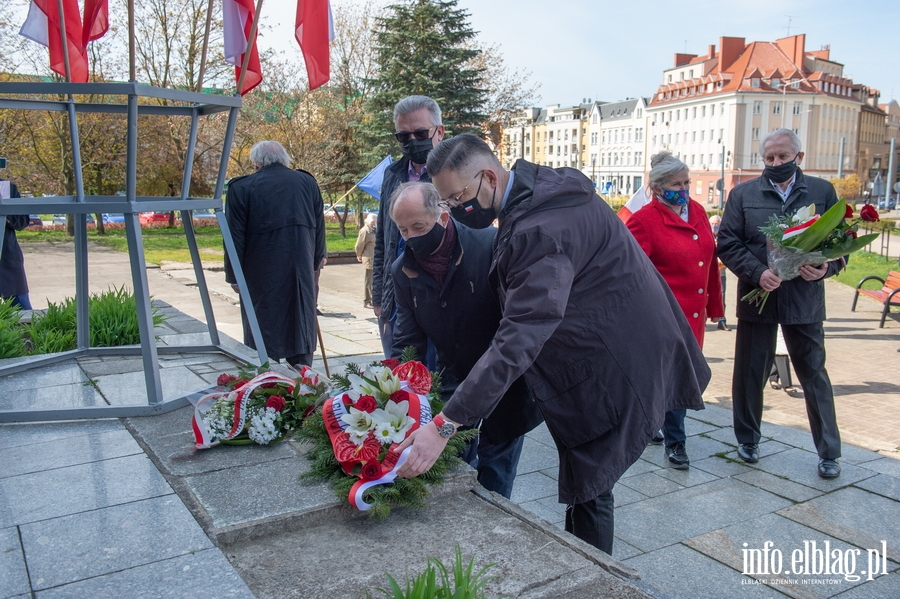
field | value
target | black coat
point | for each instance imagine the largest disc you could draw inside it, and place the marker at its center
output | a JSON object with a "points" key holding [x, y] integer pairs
{"points": [[12, 263], [278, 226], [386, 236], [742, 248], [460, 318], [588, 320]]}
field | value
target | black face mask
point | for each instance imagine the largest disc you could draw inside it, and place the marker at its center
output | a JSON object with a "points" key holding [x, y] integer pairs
{"points": [[427, 244], [781, 173], [471, 214], [417, 150]]}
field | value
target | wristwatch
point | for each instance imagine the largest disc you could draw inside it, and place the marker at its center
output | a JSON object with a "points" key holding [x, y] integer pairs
{"points": [[445, 428]]}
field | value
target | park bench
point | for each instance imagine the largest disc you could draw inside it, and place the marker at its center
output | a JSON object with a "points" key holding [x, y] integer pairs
{"points": [[888, 295]]}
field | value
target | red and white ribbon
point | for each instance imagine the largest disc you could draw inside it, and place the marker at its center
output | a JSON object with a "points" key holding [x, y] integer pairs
{"points": [[240, 396]]}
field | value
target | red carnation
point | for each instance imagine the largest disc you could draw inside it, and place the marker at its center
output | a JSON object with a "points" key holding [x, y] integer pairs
{"points": [[848, 213], [391, 363], [371, 470], [277, 402], [869, 214], [366, 403]]}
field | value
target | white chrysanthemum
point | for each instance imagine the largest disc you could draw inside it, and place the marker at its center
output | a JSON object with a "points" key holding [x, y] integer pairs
{"points": [[217, 426], [385, 433], [262, 428]]}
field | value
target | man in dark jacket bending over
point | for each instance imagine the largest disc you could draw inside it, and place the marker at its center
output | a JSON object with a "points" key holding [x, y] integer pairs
{"points": [[442, 293], [587, 319]]}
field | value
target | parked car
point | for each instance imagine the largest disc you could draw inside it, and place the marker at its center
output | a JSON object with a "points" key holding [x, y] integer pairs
{"points": [[884, 205], [113, 218], [153, 217], [35, 221], [207, 215], [60, 219]]}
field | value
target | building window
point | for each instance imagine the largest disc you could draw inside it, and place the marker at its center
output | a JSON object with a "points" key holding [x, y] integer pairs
{"points": [[722, 108], [670, 117], [694, 114], [795, 84], [677, 138], [721, 136], [757, 108], [640, 111], [712, 110], [703, 111], [710, 159], [670, 78], [754, 158], [776, 82], [639, 134], [755, 134], [654, 140], [638, 158], [594, 119], [754, 82], [692, 159], [694, 136], [677, 115], [798, 107], [776, 107], [702, 135]]}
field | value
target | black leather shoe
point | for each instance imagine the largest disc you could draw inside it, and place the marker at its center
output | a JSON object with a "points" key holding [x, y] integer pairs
{"points": [[829, 469], [657, 438], [749, 452], [722, 326], [677, 457]]}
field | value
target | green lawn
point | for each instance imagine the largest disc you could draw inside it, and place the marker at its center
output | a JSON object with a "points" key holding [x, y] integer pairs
{"points": [[170, 244], [864, 264]]}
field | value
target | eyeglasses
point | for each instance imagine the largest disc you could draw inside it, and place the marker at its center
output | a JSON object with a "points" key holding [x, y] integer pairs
{"points": [[456, 202], [420, 134]]}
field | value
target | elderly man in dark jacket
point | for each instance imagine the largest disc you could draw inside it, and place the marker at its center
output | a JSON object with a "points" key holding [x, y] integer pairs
{"points": [[442, 293], [13, 284], [603, 345], [278, 225], [797, 305], [417, 121]]}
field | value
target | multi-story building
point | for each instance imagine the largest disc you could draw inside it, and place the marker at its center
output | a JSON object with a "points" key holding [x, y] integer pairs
{"points": [[872, 147], [616, 147], [711, 111]]}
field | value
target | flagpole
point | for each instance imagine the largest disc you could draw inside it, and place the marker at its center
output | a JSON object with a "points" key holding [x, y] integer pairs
{"points": [[250, 43], [346, 194], [209, 10], [132, 70], [65, 40]]}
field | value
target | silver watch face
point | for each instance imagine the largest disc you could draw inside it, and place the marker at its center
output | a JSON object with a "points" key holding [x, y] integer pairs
{"points": [[446, 430]]}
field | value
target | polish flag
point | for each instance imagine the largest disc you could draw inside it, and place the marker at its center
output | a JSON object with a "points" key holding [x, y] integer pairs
{"points": [[96, 20], [314, 30], [43, 26], [637, 201], [237, 16]]}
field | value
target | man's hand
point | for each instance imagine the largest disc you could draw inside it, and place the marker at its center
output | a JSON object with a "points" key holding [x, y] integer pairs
{"points": [[377, 310], [236, 288], [769, 281], [811, 272], [359, 258], [427, 445]]}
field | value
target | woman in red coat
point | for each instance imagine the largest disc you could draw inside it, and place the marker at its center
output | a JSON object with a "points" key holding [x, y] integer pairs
{"points": [[674, 232]]}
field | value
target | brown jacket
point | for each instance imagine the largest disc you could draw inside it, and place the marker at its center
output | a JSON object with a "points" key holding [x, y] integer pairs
{"points": [[591, 324], [365, 246]]}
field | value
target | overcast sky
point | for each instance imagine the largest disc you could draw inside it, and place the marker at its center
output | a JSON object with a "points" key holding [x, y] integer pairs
{"points": [[604, 50]]}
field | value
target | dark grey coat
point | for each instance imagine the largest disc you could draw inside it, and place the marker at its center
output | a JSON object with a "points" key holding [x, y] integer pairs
{"points": [[603, 344], [12, 263], [386, 236], [742, 248], [277, 222], [460, 318]]}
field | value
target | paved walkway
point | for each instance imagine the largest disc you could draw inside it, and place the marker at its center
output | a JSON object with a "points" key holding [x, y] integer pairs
{"points": [[85, 513]]}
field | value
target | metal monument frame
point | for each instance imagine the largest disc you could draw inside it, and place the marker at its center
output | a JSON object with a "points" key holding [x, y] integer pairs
{"points": [[32, 96]]}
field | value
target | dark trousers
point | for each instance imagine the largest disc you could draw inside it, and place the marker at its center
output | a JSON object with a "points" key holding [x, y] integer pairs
{"points": [[496, 463], [592, 521], [386, 329], [302, 359], [673, 427], [19, 301], [753, 358]]}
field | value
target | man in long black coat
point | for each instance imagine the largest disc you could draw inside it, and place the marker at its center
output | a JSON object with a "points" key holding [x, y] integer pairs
{"points": [[587, 319], [443, 294], [13, 284], [278, 226]]}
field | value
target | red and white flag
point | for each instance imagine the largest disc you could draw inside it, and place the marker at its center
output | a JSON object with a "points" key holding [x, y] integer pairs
{"points": [[237, 16], [640, 199], [43, 26], [96, 20], [314, 30]]}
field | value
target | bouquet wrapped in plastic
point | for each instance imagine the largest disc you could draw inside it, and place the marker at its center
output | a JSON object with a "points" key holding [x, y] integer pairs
{"points": [[808, 238]]}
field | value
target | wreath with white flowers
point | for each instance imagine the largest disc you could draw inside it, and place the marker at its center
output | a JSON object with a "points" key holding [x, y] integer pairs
{"points": [[354, 435]]}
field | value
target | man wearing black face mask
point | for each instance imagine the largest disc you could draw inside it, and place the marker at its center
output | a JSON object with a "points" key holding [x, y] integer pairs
{"points": [[586, 319], [797, 305], [442, 293], [417, 122]]}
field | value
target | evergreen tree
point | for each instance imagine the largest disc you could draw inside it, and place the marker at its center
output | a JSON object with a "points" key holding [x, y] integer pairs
{"points": [[424, 47]]}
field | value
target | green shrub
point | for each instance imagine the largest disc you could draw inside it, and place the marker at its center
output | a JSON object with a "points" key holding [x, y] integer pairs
{"points": [[12, 344], [54, 330], [465, 583], [114, 319]]}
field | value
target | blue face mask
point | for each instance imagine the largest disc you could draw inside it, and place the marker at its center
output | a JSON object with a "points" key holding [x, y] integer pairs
{"points": [[676, 198]]}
